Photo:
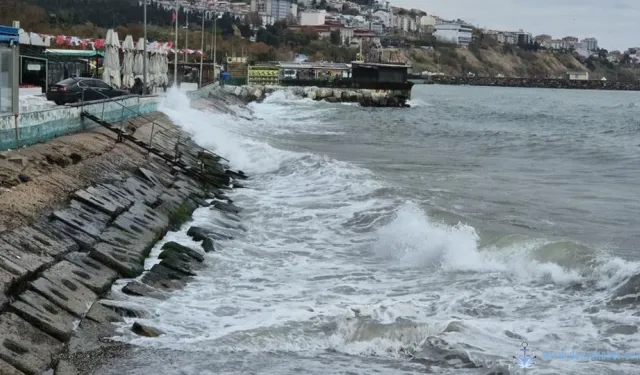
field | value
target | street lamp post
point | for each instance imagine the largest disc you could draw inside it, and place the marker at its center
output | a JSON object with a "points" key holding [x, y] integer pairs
{"points": [[201, 50], [144, 60], [175, 55]]}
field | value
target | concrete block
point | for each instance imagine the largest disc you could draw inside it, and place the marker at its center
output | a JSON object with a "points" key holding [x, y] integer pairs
{"points": [[25, 347], [136, 288], [83, 239], [21, 263], [122, 238], [64, 290], [79, 267], [35, 241], [102, 199], [44, 315], [164, 278], [100, 314], [139, 191], [125, 262], [7, 369], [151, 177], [84, 218], [140, 219], [182, 263], [66, 368], [173, 248], [170, 200]]}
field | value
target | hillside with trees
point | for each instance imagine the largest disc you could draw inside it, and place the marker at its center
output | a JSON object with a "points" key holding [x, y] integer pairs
{"points": [[485, 57]]}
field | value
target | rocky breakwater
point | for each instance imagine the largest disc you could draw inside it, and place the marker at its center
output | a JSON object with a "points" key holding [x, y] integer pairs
{"points": [[57, 272], [364, 97], [535, 83]]}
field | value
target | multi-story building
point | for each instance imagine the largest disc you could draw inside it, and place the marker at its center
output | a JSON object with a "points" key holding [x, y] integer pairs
{"points": [[312, 18], [590, 44], [272, 10], [456, 33], [524, 38]]}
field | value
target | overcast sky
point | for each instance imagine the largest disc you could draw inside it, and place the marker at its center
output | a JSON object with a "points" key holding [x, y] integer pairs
{"points": [[615, 23]]}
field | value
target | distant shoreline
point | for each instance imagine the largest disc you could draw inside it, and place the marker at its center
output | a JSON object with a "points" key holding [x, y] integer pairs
{"points": [[531, 83]]}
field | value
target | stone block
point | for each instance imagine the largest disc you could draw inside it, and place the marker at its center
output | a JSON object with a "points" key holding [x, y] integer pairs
{"points": [[122, 238], [172, 248], [100, 314], [66, 368], [64, 290], [227, 207], [7, 369], [182, 263], [136, 288], [141, 191], [22, 263], [35, 241], [84, 218], [25, 347], [151, 177], [44, 315], [163, 278], [59, 228], [102, 199], [81, 268], [141, 220], [125, 262]]}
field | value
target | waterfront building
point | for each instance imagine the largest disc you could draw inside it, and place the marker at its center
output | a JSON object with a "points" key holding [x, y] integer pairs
{"points": [[456, 33]]}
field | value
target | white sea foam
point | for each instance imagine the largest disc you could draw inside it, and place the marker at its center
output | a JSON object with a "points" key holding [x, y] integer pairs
{"points": [[321, 244]]}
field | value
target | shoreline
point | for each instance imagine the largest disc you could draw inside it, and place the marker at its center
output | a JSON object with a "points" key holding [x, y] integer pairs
{"points": [[532, 83], [89, 217]]}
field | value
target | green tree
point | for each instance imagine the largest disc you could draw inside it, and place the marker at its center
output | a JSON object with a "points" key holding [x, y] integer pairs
{"points": [[334, 38]]}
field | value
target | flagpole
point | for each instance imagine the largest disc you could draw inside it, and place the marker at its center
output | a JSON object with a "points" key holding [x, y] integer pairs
{"points": [[175, 55], [201, 49], [215, 40], [186, 33]]}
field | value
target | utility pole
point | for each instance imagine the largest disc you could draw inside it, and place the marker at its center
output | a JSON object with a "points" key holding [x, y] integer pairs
{"points": [[186, 33], [201, 50], [175, 55], [144, 60], [215, 41]]}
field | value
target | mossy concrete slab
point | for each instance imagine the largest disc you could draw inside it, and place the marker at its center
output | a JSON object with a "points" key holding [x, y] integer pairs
{"points": [[81, 217], [25, 347], [59, 228], [102, 199]]}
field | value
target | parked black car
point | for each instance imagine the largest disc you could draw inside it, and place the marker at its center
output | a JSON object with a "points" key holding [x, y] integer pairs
{"points": [[71, 90]]}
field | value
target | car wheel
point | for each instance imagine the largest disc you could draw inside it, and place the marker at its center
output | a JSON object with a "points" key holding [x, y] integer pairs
{"points": [[59, 102]]}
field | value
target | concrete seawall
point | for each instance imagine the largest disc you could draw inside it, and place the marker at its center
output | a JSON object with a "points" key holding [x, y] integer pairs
{"points": [[57, 268], [535, 83], [364, 97], [38, 126]]}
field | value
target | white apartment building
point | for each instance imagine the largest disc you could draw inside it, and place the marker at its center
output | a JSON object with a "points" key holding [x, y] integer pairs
{"points": [[426, 21], [272, 10], [454, 33], [385, 17], [313, 18], [590, 44]]}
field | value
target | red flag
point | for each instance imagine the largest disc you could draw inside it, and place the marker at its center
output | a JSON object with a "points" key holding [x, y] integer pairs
{"points": [[173, 17]]}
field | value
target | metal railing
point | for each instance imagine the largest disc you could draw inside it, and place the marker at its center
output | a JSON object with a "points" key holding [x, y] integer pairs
{"points": [[163, 139]]}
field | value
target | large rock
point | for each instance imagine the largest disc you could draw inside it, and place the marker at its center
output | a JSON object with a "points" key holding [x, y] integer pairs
{"points": [[25, 347], [173, 248], [164, 278], [182, 263], [7, 369], [147, 331], [44, 315], [64, 290], [136, 288]]}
